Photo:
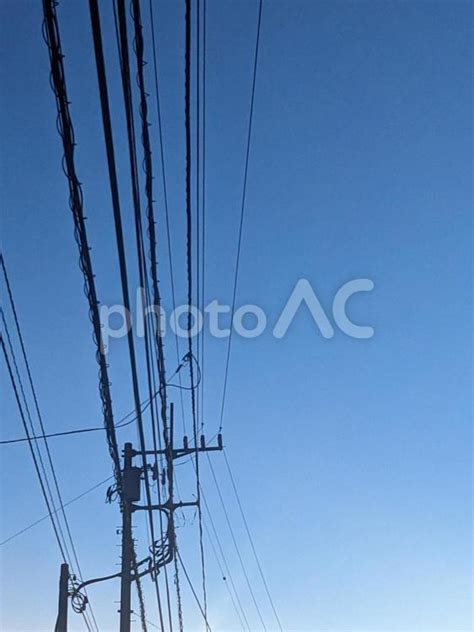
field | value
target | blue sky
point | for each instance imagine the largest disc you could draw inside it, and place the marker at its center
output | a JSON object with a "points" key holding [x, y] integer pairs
{"points": [[352, 457]]}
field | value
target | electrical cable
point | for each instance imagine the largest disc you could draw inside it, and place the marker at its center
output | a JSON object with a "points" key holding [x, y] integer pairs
{"points": [[40, 458], [203, 204], [109, 144], [66, 131], [223, 575], [121, 423], [122, 42], [165, 191], [155, 323], [66, 504], [239, 555], [242, 211], [242, 615], [237, 496], [30, 438], [189, 252], [51, 512], [193, 590], [36, 464]]}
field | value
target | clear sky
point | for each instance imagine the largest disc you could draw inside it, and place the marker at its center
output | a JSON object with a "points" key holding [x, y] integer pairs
{"points": [[352, 457]]}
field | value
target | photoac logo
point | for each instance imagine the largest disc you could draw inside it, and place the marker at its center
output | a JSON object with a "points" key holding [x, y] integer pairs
{"points": [[302, 296]]}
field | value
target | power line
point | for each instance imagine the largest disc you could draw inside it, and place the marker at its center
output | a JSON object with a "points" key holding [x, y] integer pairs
{"points": [[153, 324], [249, 585], [30, 438], [66, 504], [189, 251], [224, 559], [66, 131], [51, 512], [122, 41], [165, 192], [223, 575], [242, 210], [198, 159], [127, 97], [193, 590], [237, 496], [203, 205], [40, 419], [120, 424]]}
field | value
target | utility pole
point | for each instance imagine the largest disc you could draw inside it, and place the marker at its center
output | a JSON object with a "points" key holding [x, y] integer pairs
{"points": [[61, 621], [131, 483], [131, 492], [130, 495]]}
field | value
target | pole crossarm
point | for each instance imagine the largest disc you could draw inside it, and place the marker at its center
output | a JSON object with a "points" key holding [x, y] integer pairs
{"points": [[167, 506], [177, 453]]}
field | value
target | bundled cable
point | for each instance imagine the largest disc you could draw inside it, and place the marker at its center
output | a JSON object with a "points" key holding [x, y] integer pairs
{"points": [[66, 131]]}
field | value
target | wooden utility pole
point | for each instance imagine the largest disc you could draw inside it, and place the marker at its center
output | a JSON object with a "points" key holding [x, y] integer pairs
{"points": [[61, 621]]}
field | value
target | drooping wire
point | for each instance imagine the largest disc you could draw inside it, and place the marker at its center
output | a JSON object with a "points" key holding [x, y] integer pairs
{"points": [[121, 423], [242, 211], [236, 546], [252, 544]]}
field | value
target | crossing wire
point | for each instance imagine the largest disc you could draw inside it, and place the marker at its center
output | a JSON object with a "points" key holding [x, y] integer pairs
{"points": [[242, 210]]}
